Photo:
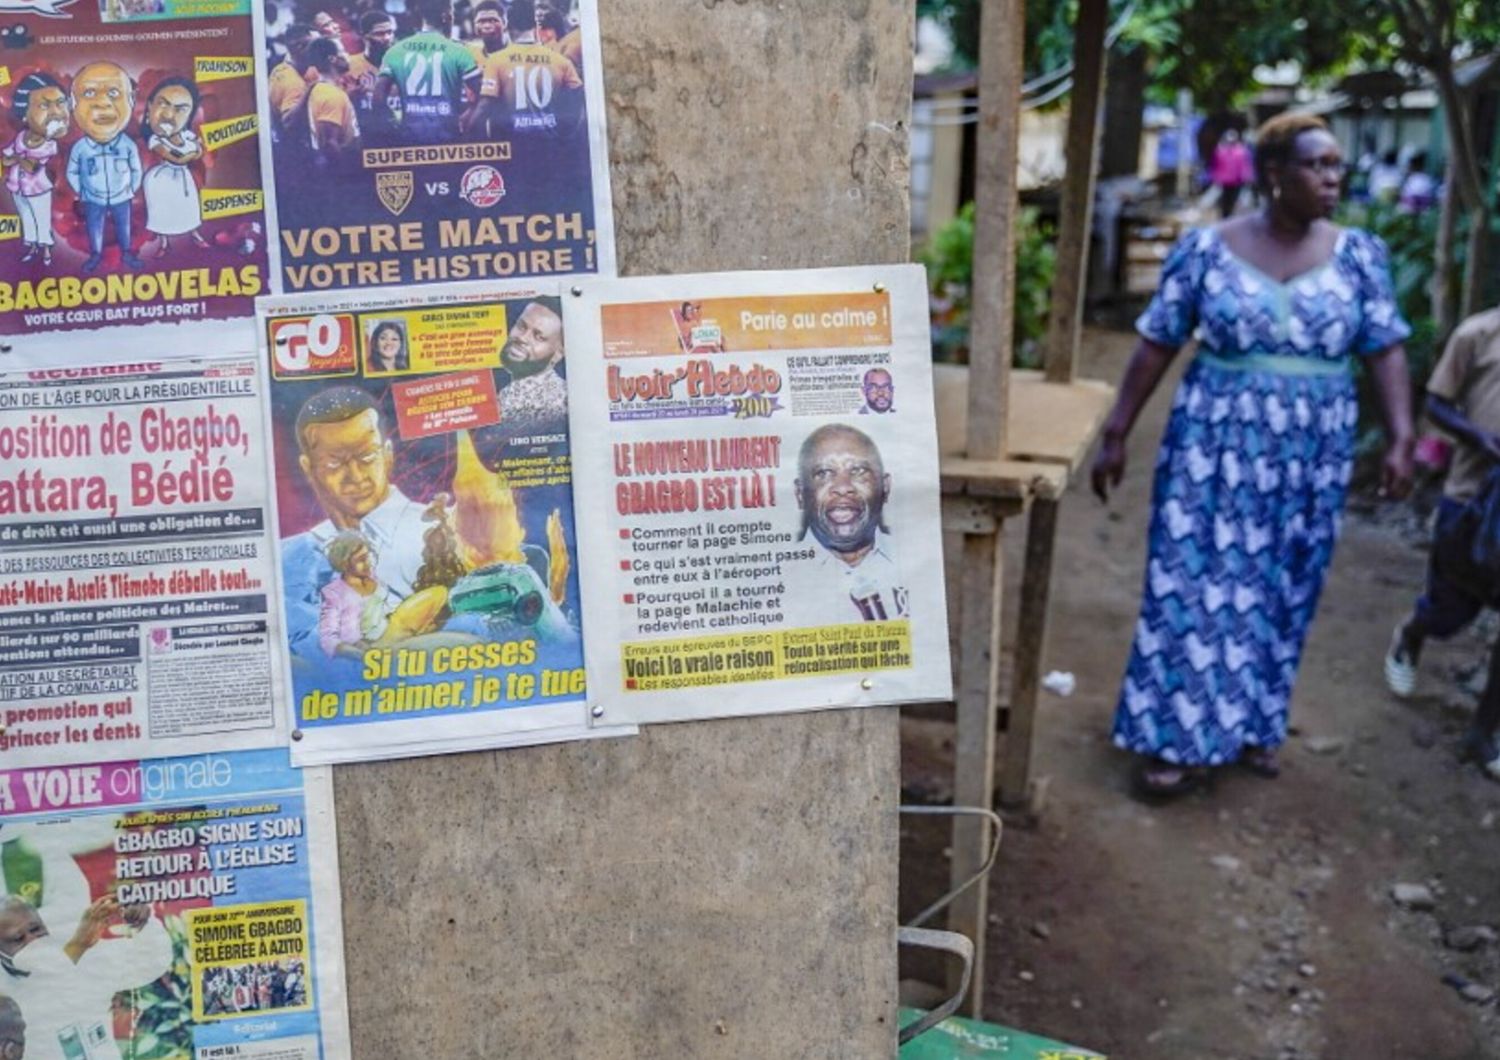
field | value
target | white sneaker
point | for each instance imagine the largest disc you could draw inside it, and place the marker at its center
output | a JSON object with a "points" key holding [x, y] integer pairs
{"points": [[1400, 667], [1485, 751]]}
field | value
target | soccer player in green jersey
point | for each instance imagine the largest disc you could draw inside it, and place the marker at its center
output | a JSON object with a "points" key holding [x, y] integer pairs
{"points": [[431, 73]]}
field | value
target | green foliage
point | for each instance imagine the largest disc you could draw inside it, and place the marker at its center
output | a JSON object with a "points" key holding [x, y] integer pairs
{"points": [[1036, 262], [1212, 49], [1412, 239], [949, 257], [1218, 46], [1423, 32], [961, 19], [1151, 24]]}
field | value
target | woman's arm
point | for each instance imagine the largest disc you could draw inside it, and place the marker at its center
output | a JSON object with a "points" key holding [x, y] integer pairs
{"points": [[1147, 365], [1393, 388]]}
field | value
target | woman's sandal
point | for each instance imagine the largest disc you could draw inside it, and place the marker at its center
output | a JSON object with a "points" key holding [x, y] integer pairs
{"points": [[1261, 761], [1156, 779]]}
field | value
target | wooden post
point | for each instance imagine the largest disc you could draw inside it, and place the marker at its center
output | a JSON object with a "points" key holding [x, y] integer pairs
{"points": [[997, 142], [1000, 73], [974, 743], [1031, 643], [1069, 281]]}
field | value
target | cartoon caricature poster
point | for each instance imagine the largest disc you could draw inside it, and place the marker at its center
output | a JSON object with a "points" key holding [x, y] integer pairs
{"points": [[427, 141], [131, 199]]}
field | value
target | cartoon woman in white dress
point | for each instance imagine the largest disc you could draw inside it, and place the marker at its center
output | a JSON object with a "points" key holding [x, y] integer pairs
{"points": [[171, 191]]}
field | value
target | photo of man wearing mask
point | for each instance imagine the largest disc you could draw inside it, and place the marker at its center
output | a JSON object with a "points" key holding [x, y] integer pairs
{"points": [[64, 988]]}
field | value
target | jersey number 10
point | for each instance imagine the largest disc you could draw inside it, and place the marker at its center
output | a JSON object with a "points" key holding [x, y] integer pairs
{"points": [[533, 87]]}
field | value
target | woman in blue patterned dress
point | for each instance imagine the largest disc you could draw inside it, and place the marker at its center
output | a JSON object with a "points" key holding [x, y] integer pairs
{"points": [[1252, 472]]}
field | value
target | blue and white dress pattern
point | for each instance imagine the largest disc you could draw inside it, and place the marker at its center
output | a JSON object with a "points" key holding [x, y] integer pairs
{"points": [[1249, 489]]}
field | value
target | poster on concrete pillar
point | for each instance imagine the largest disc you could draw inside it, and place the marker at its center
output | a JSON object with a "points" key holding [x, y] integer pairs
{"points": [[171, 909], [430, 141], [136, 574], [132, 222], [428, 559], [759, 451]]}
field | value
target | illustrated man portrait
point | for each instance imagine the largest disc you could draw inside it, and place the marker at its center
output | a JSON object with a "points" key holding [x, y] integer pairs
{"points": [[535, 399], [345, 457], [104, 168], [879, 390], [842, 488], [65, 989]]}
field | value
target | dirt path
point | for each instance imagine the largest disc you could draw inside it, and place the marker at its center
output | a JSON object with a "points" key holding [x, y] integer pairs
{"points": [[1255, 920]]}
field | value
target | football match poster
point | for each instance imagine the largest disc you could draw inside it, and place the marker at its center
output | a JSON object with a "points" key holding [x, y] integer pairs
{"points": [[760, 451], [428, 141], [428, 561], [132, 203]]}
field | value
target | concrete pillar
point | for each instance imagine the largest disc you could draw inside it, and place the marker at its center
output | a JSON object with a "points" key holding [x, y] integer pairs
{"points": [[723, 889]]}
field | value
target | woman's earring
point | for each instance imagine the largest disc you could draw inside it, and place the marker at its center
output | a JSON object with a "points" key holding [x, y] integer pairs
{"points": [[1275, 192]]}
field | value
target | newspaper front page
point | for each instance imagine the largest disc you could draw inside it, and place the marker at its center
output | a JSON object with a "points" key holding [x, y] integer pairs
{"points": [[136, 573], [757, 454]]}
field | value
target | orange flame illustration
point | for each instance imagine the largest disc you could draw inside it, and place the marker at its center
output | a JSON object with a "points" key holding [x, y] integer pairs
{"points": [[488, 524]]}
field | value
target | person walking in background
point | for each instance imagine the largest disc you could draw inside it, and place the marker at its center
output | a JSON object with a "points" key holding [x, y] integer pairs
{"points": [[1229, 170], [1463, 398], [1386, 177], [1419, 189], [1364, 165], [1252, 472]]}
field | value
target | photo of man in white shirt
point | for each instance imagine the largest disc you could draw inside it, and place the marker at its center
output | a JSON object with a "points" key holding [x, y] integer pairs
{"points": [[842, 489]]}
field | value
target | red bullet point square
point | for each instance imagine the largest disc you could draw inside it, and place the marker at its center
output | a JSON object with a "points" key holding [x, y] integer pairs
{"points": [[624, 534], [630, 598], [624, 564]]}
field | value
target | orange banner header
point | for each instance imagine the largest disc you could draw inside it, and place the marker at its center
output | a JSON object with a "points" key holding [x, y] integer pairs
{"points": [[756, 323]]}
